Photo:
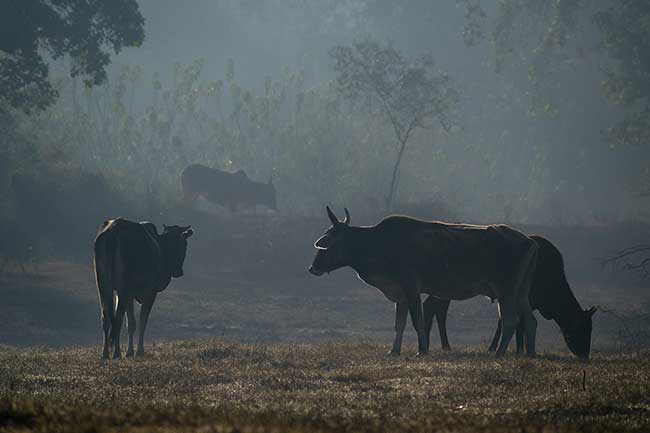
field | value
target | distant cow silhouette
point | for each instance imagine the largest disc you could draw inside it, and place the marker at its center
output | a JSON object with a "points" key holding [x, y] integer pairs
{"points": [[550, 294], [404, 257], [224, 188], [135, 262]]}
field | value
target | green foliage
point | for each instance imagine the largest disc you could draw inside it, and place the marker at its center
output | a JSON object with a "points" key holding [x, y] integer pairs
{"points": [[548, 38], [409, 94], [83, 30], [625, 27], [314, 146]]}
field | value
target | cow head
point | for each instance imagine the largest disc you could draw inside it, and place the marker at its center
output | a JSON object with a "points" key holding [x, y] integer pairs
{"points": [[333, 246], [174, 245], [578, 334]]}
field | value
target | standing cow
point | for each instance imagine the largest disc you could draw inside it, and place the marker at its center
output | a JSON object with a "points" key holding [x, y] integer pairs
{"points": [[224, 188], [550, 293], [135, 262], [404, 257]]}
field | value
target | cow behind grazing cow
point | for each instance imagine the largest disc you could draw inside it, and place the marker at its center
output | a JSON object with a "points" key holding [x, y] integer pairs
{"points": [[404, 257], [134, 262], [550, 293], [224, 188]]}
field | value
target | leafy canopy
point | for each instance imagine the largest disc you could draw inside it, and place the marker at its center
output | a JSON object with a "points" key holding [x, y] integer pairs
{"points": [[83, 29], [536, 31], [411, 94]]}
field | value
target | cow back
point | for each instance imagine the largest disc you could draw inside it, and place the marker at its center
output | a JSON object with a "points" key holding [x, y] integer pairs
{"points": [[137, 261]]}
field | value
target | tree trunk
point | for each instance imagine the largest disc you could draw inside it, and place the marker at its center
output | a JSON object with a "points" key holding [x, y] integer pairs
{"points": [[393, 181]]}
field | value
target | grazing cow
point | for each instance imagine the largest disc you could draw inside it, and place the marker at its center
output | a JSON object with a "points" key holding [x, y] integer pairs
{"points": [[135, 262], [549, 293], [224, 188], [404, 257]]}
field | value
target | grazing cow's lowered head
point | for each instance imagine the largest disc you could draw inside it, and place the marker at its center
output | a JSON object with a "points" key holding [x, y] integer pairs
{"points": [[578, 334], [174, 245], [333, 247]]}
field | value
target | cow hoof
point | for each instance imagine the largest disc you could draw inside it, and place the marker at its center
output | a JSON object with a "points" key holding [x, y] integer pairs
{"points": [[105, 355], [421, 354], [394, 353], [117, 355], [446, 349], [129, 353], [139, 352]]}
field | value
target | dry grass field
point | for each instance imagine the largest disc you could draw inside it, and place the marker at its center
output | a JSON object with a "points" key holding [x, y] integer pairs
{"points": [[217, 385]]}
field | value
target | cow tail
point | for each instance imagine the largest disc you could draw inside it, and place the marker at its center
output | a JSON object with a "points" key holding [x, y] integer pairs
{"points": [[104, 254]]}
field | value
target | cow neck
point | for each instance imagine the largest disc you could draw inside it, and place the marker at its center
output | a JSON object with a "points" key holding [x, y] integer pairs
{"points": [[567, 310], [165, 274], [361, 246]]}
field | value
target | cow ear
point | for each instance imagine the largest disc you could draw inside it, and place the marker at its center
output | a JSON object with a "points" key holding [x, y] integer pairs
{"points": [[165, 227], [331, 216], [346, 221], [187, 233], [322, 243]]}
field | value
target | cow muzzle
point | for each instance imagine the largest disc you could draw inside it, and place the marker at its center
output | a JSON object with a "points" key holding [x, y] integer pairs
{"points": [[315, 271]]}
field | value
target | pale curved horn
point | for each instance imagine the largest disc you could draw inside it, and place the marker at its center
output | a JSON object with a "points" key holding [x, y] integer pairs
{"points": [[346, 221]]}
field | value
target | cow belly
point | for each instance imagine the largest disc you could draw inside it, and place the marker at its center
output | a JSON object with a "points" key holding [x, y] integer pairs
{"points": [[461, 289], [386, 285]]}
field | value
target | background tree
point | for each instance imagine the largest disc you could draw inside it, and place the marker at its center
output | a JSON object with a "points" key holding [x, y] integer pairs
{"points": [[409, 94], [84, 30], [546, 37]]}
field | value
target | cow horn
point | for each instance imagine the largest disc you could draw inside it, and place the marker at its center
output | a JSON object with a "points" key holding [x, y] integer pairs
{"points": [[187, 233], [331, 215], [591, 311], [346, 221]]}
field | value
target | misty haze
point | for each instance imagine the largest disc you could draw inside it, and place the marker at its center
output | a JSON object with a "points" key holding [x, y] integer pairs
{"points": [[325, 215]]}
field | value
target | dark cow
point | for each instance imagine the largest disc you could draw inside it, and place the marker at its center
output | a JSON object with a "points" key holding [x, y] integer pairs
{"points": [[133, 261], [550, 294], [224, 188], [404, 257]]}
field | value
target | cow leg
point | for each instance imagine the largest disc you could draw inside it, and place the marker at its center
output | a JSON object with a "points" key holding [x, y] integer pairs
{"points": [[441, 317], [530, 326], [401, 311], [107, 305], [497, 335], [117, 325], [130, 316], [508, 314], [429, 311], [415, 309], [144, 316], [521, 329], [525, 310]]}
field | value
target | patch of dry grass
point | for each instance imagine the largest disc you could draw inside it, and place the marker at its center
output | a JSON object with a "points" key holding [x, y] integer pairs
{"points": [[214, 385]]}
